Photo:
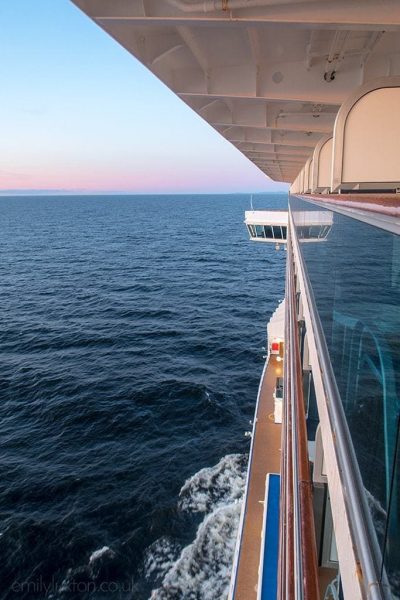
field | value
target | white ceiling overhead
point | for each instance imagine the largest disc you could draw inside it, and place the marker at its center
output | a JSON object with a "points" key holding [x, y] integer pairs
{"points": [[269, 75]]}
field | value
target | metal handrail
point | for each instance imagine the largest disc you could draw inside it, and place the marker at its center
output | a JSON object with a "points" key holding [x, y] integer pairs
{"points": [[306, 554], [363, 531], [291, 395], [298, 563], [286, 536]]}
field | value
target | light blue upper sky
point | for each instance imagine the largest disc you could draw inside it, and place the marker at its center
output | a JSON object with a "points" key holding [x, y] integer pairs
{"points": [[81, 114]]}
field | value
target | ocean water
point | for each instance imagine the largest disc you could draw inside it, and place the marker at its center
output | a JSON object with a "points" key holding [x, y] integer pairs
{"points": [[131, 341]]}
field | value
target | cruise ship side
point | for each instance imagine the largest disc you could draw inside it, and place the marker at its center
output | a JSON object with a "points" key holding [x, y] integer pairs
{"points": [[309, 91]]}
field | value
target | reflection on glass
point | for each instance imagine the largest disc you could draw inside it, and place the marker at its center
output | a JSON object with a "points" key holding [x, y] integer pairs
{"points": [[355, 279], [392, 538], [313, 225]]}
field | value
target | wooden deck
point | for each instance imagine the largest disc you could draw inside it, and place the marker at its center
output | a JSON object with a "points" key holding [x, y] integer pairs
{"points": [[265, 459]]}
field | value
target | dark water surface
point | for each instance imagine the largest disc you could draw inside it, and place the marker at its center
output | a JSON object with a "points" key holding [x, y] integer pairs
{"points": [[131, 348]]}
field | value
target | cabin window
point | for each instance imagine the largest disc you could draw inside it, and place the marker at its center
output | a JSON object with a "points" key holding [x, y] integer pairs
{"points": [[259, 231], [315, 231], [251, 230], [268, 231], [324, 231]]}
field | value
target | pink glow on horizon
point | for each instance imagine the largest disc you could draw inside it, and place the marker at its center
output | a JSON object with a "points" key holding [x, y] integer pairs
{"points": [[145, 180], [90, 118]]}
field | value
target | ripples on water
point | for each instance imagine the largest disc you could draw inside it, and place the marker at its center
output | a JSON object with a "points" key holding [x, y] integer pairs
{"points": [[131, 347]]}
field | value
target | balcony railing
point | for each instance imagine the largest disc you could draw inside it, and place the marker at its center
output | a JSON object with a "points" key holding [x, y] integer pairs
{"points": [[298, 577], [352, 294]]}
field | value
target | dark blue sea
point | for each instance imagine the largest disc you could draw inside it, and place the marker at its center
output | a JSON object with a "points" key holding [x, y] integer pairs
{"points": [[132, 334]]}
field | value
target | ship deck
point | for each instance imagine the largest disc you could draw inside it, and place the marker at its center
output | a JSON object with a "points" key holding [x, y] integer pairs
{"points": [[265, 459]]}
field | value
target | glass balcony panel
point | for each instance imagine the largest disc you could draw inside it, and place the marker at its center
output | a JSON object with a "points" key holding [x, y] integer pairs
{"points": [[354, 272], [392, 538]]}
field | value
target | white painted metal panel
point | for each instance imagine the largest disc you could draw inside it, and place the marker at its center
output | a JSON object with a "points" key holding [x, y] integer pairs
{"points": [[260, 71]]}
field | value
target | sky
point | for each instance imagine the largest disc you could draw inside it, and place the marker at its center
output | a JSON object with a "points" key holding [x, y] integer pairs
{"points": [[79, 114]]}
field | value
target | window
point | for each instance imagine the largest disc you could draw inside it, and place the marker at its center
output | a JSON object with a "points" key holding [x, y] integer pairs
{"points": [[268, 231], [259, 231], [277, 232], [251, 230]]}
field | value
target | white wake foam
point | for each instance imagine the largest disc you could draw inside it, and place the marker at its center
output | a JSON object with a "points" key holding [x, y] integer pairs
{"points": [[104, 551], [89, 570], [215, 486], [202, 569], [160, 557]]}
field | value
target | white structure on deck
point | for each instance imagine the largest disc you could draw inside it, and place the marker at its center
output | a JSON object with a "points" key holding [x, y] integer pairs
{"points": [[271, 225], [276, 326], [267, 225], [275, 338]]}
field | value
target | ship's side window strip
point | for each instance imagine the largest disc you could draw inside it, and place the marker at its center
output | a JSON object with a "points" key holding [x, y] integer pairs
{"points": [[268, 231], [259, 231], [251, 230]]}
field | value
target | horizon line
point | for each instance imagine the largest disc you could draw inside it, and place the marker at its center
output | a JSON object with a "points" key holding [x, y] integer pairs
{"points": [[50, 193]]}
